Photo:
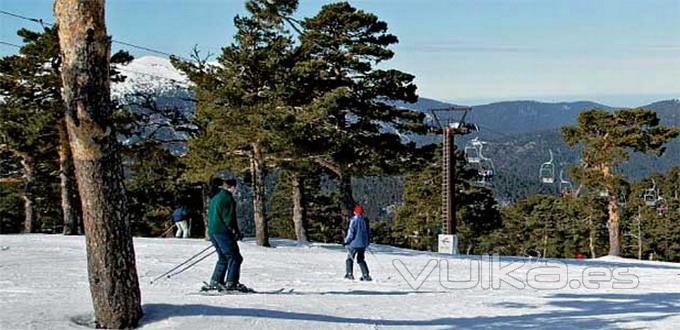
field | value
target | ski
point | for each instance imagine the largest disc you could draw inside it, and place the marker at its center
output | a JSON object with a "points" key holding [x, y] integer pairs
{"points": [[235, 292], [203, 292]]}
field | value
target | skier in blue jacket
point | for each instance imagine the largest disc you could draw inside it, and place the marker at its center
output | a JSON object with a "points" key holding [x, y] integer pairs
{"points": [[180, 217], [357, 240]]}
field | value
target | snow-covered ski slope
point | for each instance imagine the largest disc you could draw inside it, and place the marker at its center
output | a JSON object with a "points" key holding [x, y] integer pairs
{"points": [[43, 285]]}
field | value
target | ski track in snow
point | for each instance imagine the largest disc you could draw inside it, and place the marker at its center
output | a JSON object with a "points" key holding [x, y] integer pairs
{"points": [[43, 285]]}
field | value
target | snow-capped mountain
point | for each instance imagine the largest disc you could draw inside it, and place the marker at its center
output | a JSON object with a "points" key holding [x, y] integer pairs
{"points": [[156, 90], [149, 74]]}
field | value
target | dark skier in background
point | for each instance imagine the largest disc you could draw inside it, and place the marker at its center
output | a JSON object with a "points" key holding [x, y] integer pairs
{"points": [[224, 234], [357, 240]]}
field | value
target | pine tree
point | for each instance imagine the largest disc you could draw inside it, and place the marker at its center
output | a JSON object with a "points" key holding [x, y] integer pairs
{"points": [[419, 220], [32, 122], [321, 101], [550, 226], [242, 101], [85, 49], [339, 51], [607, 139], [29, 112], [652, 231], [10, 198], [322, 205]]}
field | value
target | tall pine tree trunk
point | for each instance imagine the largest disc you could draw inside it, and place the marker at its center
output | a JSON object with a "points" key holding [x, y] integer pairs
{"points": [[591, 237], [639, 233], [345, 182], [29, 172], [299, 207], [346, 195], [85, 49], [70, 203], [205, 189], [257, 169], [613, 222], [613, 226]]}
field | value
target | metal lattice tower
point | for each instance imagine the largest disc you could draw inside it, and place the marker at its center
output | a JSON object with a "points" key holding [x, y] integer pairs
{"points": [[448, 183], [450, 127]]}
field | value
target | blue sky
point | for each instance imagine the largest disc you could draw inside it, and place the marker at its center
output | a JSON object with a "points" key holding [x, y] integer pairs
{"points": [[619, 52]]}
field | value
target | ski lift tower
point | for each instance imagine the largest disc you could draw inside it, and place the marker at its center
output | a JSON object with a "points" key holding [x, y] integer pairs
{"points": [[451, 122]]}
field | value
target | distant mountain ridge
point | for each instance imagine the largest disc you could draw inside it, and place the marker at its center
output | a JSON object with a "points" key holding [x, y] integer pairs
{"points": [[519, 133], [156, 75], [516, 117], [519, 117]]}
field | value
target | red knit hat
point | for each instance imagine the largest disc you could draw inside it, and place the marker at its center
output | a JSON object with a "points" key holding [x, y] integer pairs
{"points": [[358, 210]]}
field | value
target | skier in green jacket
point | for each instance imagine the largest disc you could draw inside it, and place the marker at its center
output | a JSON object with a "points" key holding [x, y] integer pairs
{"points": [[224, 234]]}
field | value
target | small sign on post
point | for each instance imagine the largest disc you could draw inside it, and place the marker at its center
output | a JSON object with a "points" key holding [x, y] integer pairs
{"points": [[448, 244]]}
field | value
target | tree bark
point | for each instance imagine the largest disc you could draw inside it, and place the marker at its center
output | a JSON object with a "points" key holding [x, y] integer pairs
{"points": [[85, 52], [639, 233], [206, 204], [591, 237], [28, 173], [347, 198], [257, 169], [613, 226], [345, 188], [613, 222], [299, 207], [70, 203]]}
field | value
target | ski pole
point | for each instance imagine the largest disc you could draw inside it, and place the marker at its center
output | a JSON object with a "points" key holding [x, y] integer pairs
{"points": [[180, 265], [190, 265], [167, 230]]}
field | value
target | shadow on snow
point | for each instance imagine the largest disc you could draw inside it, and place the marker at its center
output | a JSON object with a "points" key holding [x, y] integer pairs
{"points": [[573, 311]]}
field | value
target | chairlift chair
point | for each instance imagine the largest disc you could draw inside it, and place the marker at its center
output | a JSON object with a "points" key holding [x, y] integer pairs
{"points": [[650, 200], [566, 187], [651, 196], [547, 171], [472, 151], [485, 182], [486, 170]]}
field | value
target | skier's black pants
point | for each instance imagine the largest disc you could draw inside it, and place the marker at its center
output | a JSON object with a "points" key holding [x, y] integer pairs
{"points": [[229, 259], [360, 255]]}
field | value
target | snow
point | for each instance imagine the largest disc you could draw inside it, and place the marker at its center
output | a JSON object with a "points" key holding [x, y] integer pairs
{"points": [[150, 74], [43, 284]]}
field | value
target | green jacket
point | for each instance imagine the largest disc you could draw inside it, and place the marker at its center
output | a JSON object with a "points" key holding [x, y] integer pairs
{"points": [[222, 214]]}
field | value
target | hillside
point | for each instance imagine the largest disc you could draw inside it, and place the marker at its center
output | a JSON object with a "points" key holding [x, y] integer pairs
{"points": [[45, 286], [518, 159], [515, 117], [149, 74], [519, 133]]}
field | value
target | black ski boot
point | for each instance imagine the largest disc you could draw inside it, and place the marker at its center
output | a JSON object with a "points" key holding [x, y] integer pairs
{"points": [[213, 286], [242, 288], [349, 276], [366, 278], [238, 287]]}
